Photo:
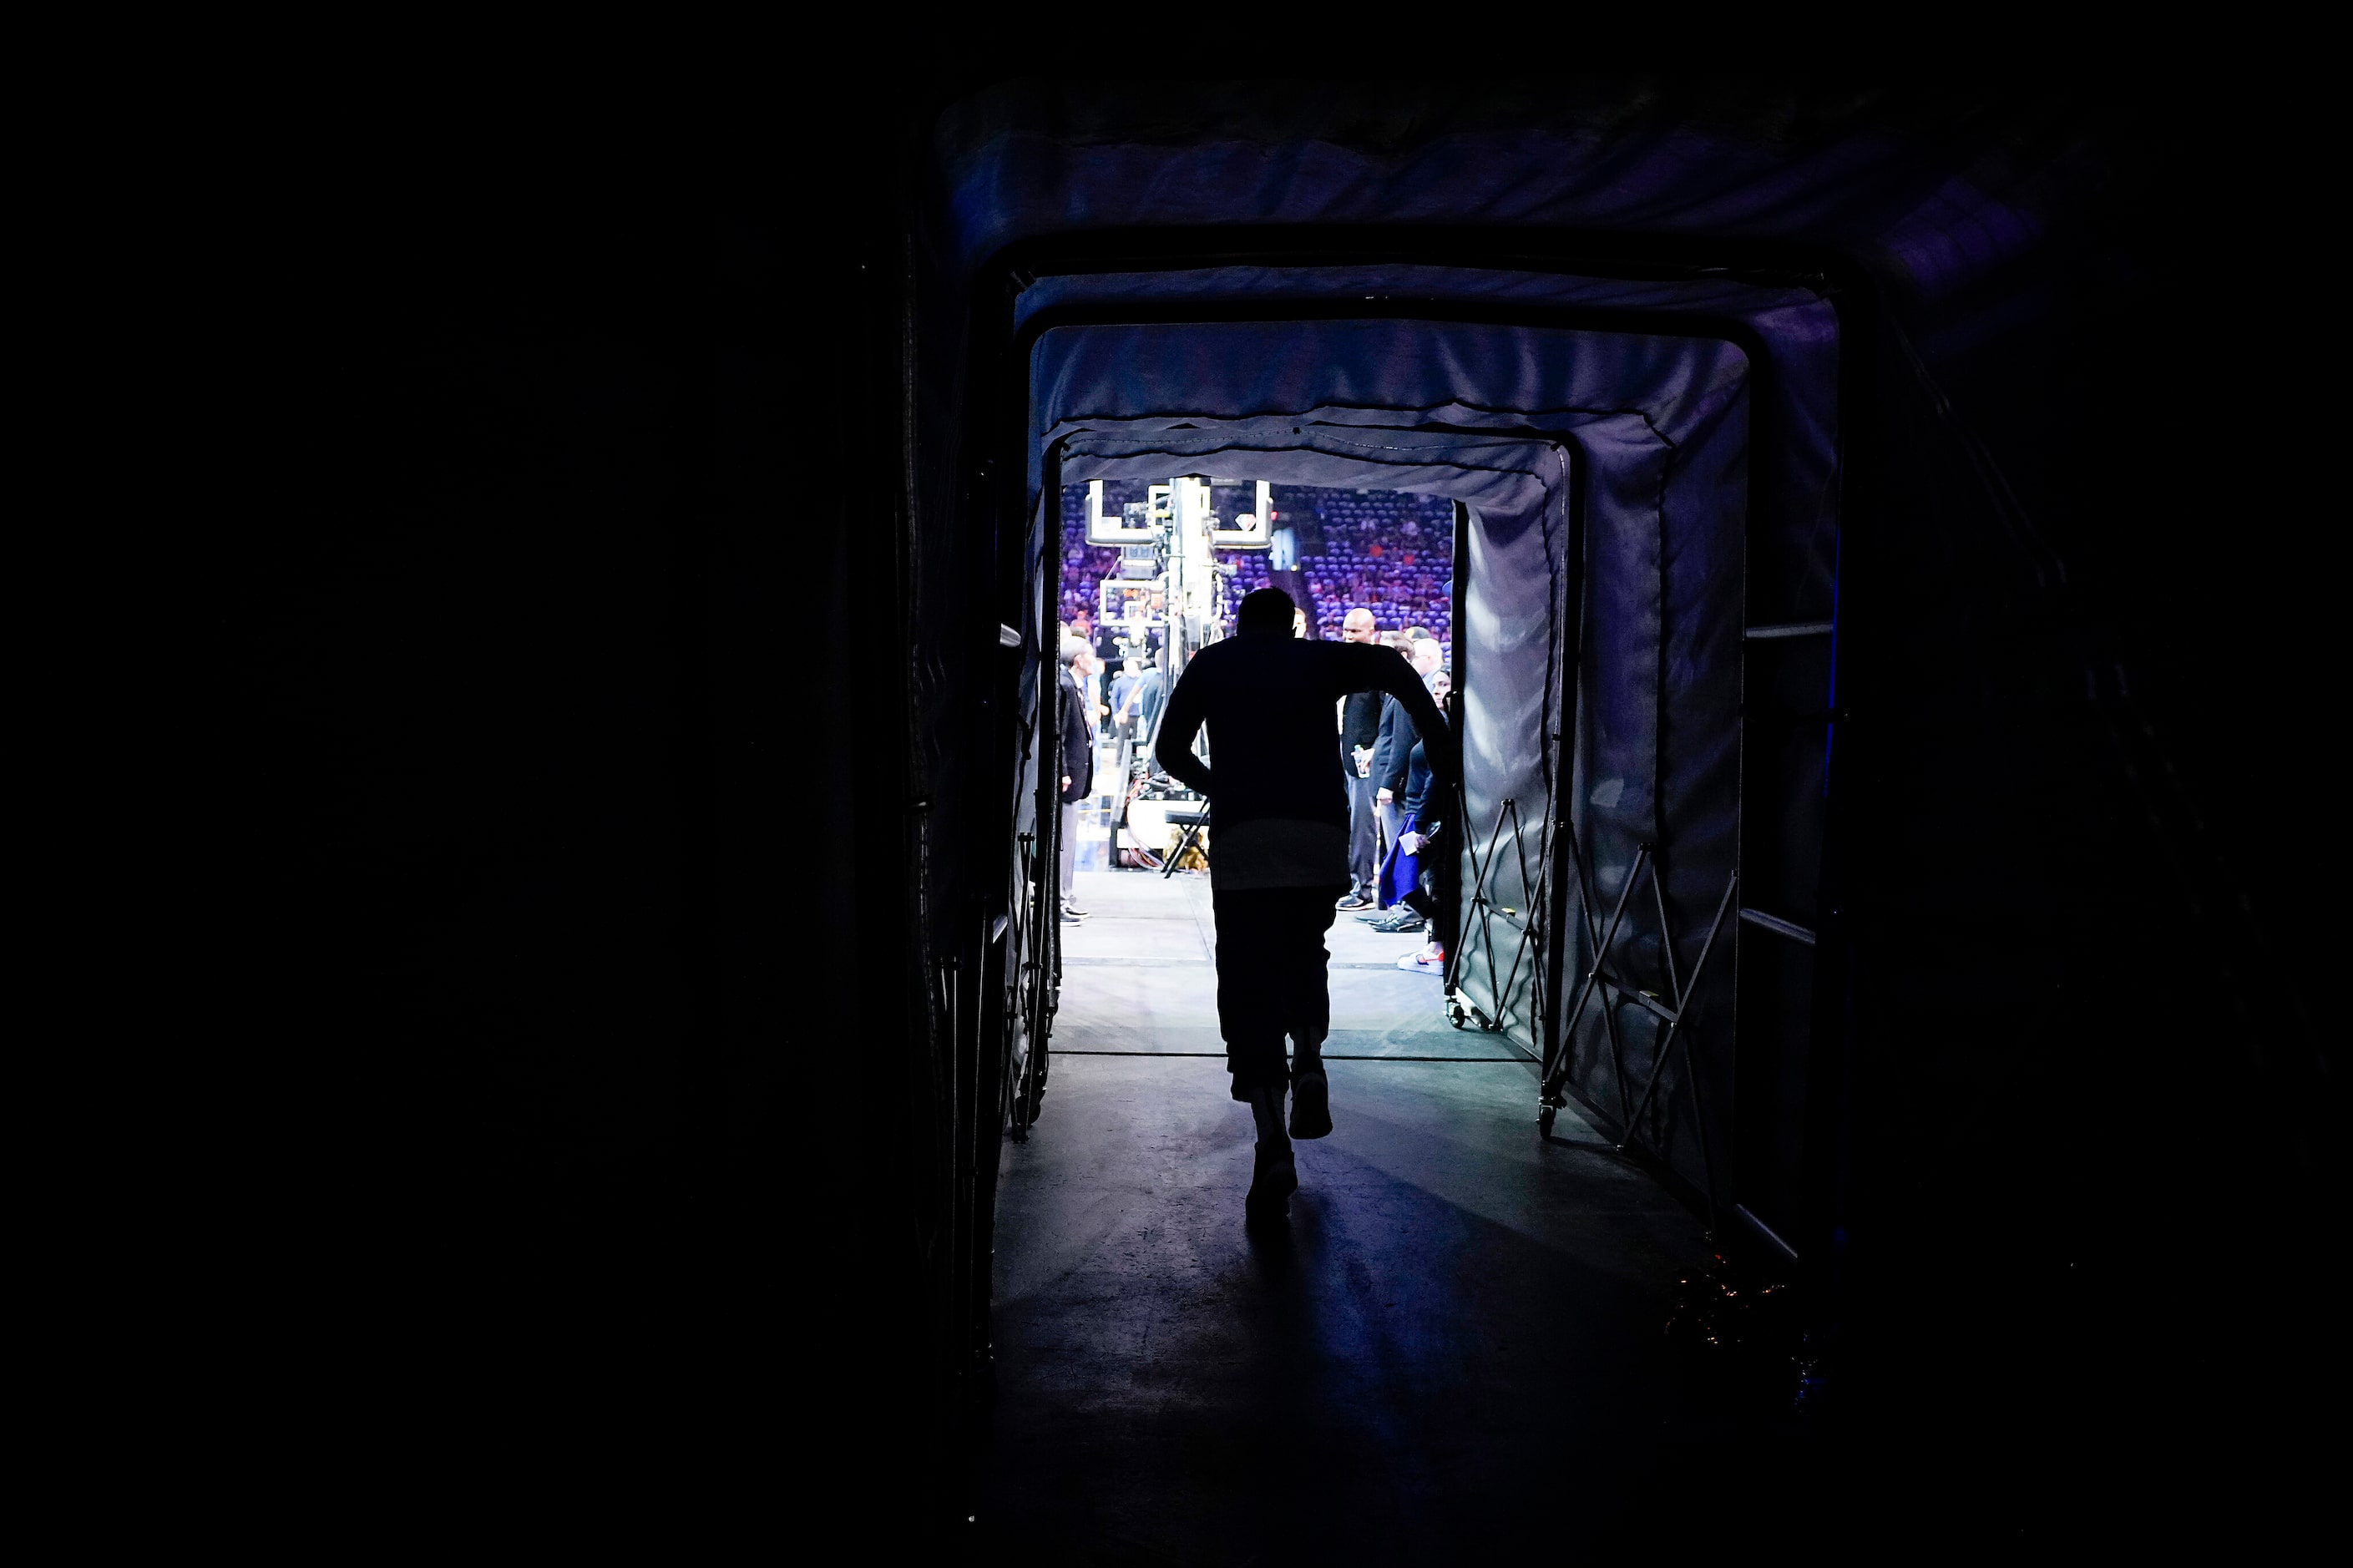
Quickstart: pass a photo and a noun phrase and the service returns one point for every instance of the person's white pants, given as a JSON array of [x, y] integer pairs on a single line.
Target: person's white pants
[[1070, 849]]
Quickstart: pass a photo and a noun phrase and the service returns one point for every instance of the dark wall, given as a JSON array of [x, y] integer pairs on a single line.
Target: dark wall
[[2078, 1123], [583, 722], [607, 663]]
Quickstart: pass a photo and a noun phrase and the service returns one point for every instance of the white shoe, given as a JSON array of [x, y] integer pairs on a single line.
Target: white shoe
[[1431, 959]]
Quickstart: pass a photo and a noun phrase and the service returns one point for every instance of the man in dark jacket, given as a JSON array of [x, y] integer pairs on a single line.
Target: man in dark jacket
[[1360, 730], [1078, 768], [1395, 743], [1389, 754], [1426, 813], [1151, 691], [1280, 823]]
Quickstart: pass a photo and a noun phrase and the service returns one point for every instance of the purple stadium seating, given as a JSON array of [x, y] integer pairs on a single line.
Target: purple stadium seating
[[1390, 551]]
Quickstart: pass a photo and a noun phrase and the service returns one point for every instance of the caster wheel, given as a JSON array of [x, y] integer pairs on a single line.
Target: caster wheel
[[1544, 1121]]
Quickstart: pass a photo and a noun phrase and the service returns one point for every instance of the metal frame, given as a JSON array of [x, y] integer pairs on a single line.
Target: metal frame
[[1024, 1000], [1531, 946], [1600, 978], [1192, 831]]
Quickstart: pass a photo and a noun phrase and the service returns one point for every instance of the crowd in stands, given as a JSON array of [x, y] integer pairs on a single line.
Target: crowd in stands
[[1390, 551], [1085, 565]]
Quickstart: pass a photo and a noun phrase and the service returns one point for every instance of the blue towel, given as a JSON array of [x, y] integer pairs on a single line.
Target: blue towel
[[1400, 873]]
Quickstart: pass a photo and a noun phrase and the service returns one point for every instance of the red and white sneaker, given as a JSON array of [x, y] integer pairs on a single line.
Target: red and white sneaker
[[1431, 959]]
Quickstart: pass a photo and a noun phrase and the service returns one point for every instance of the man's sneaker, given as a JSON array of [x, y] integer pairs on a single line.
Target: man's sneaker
[[1071, 918], [1353, 901], [1375, 915], [1272, 1181], [1404, 925], [1074, 909], [1311, 1105], [1431, 959]]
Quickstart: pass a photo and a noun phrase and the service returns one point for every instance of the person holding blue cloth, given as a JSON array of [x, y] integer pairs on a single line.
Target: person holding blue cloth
[[1397, 739]]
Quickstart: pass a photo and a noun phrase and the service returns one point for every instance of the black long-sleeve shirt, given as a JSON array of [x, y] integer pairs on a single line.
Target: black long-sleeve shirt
[[1421, 799], [1397, 739], [1078, 740], [1267, 699]]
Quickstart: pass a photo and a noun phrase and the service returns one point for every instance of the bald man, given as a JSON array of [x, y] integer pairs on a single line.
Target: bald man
[[1277, 813], [1360, 731]]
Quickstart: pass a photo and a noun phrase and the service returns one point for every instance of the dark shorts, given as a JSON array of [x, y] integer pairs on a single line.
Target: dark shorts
[[1272, 977]]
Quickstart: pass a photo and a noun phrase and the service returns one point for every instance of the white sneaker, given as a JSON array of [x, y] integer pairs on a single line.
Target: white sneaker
[[1431, 959]]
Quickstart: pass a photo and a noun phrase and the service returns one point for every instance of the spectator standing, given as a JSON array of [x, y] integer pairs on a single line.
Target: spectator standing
[[1078, 769], [1151, 693], [1123, 705], [1396, 745], [1125, 722], [1361, 729], [1294, 509], [1426, 814], [1283, 547]]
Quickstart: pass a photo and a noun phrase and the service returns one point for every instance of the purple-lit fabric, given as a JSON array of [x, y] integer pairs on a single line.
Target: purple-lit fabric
[[1670, 579], [1931, 215], [1952, 222], [1794, 478], [1650, 435]]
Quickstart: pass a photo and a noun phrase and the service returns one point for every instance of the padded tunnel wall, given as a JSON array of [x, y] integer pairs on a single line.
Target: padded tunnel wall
[[1641, 442], [1994, 833]]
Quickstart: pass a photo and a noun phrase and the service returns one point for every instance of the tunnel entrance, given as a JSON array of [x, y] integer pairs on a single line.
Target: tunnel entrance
[[1640, 490], [1642, 511], [1645, 525], [1149, 573]]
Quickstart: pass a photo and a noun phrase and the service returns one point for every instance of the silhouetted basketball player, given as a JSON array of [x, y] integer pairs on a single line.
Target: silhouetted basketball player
[[1279, 847]]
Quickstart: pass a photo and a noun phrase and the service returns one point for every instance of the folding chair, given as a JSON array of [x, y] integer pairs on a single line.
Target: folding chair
[[1193, 821]]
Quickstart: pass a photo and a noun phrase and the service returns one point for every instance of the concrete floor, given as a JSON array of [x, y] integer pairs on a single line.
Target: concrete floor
[[1457, 1342]]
